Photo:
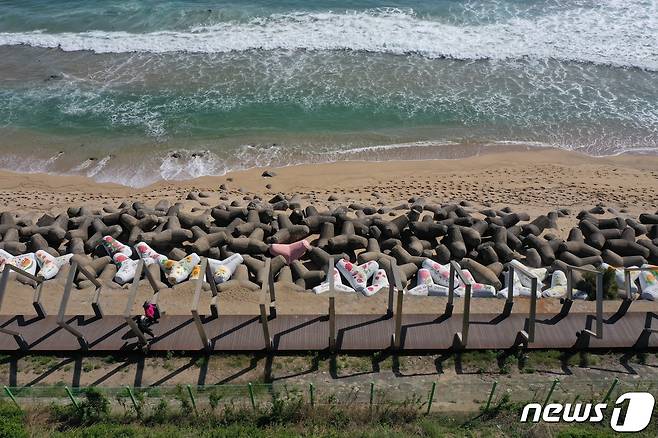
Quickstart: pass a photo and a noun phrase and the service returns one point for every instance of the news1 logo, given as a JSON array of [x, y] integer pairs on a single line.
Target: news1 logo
[[636, 418]]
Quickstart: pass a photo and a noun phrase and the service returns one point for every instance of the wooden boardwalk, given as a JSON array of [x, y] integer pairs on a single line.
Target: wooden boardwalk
[[629, 327], [292, 333]]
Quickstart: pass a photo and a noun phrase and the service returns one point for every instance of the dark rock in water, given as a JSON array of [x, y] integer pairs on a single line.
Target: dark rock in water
[[53, 78], [268, 174], [222, 187], [175, 155], [268, 186], [229, 179]]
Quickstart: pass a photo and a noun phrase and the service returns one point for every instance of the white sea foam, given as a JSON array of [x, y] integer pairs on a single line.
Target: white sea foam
[[184, 164], [614, 32], [391, 147]]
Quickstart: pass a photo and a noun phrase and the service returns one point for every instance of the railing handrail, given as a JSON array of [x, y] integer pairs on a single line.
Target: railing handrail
[[37, 278]]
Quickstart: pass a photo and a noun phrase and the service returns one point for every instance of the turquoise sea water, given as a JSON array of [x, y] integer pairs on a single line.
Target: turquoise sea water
[[137, 91]]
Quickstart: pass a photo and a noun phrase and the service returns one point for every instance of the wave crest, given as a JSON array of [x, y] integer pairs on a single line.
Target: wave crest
[[613, 33]]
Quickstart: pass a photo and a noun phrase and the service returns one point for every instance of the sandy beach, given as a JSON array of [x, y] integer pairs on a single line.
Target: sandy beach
[[534, 181]]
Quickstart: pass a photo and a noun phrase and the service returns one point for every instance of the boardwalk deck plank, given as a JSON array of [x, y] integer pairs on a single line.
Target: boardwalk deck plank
[[311, 332]]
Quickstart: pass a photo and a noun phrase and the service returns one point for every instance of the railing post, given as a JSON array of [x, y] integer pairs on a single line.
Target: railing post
[[398, 321], [467, 313], [598, 333], [195, 305], [599, 305], [36, 300], [451, 290], [533, 309], [266, 329], [214, 305], [391, 288], [461, 338], [332, 324], [4, 280], [64, 303], [127, 313], [95, 302], [311, 392], [510, 284], [330, 274], [627, 285]]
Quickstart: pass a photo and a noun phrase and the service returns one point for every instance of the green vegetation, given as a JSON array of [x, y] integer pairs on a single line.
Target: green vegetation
[[610, 288], [12, 421], [286, 416]]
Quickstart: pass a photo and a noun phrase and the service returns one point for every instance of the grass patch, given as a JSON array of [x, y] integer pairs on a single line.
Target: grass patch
[[238, 361], [536, 360], [289, 416], [359, 364], [481, 361], [39, 363]]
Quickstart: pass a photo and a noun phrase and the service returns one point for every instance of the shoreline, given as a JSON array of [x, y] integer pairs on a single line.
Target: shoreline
[[101, 169], [503, 175]]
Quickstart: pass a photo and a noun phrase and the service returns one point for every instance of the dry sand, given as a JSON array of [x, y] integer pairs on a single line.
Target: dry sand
[[533, 181]]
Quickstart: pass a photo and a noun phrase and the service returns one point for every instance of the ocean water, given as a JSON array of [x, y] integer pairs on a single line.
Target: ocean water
[[139, 91]]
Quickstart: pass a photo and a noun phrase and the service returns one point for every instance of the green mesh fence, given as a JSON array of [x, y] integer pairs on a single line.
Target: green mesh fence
[[449, 394]]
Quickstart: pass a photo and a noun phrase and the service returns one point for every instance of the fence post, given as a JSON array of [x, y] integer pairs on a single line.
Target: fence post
[[73, 400], [431, 399], [132, 398], [189, 391], [312, 394], [493, 389], [575, 399], [612, 388], [11, 396], [251, 395], [550, 391]]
